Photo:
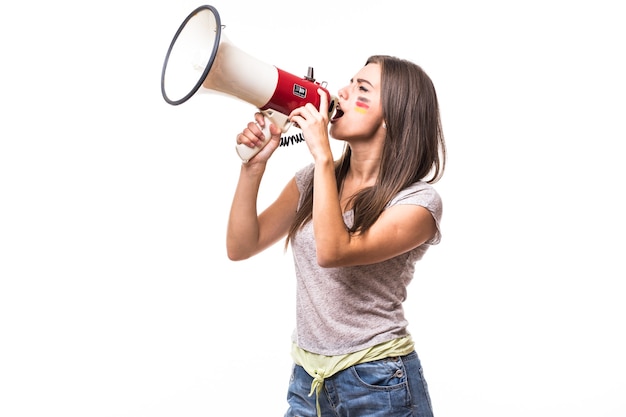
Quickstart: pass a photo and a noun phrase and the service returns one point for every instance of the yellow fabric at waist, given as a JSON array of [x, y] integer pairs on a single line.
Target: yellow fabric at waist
[[320, 367]]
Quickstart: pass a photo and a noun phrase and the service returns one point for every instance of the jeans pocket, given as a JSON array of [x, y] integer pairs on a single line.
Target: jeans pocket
[[383, 373]]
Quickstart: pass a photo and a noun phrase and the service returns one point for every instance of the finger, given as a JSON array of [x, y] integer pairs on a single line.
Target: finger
[[323, 101], [256, 130], [296, 120], [242, 139], [251, 136], [260, 119], [275, 130]]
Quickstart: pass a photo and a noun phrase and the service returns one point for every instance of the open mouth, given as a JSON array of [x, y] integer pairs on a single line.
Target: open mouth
[[337, 115]]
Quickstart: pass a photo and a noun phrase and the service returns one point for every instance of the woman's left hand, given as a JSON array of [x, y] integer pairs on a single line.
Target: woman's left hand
[[314, 126]]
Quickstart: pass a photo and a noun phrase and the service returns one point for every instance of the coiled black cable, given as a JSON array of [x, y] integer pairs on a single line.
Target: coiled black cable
[[291, 139]]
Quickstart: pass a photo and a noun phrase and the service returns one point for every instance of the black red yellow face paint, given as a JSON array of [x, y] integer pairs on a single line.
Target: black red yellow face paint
[[361, 105]]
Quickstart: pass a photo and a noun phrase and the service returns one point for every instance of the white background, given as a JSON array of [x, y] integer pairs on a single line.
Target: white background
[[116, 296]]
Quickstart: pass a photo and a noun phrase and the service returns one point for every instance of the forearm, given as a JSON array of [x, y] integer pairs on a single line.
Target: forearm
[[243, 224], [328, 225]]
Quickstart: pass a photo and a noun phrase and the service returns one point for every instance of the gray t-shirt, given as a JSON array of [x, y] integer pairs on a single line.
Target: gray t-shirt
[[346, 309]]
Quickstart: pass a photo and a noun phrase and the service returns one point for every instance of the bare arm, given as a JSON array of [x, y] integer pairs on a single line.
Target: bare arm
[[248, 233], [397, 230]]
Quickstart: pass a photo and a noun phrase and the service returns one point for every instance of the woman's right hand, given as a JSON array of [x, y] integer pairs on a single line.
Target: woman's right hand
[[253, 136]]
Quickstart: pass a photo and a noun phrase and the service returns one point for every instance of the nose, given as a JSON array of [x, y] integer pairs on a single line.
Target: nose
[[342, 93]]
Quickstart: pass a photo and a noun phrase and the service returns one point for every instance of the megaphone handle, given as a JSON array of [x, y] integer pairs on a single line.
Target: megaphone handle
[[245, 152], [271, 117]]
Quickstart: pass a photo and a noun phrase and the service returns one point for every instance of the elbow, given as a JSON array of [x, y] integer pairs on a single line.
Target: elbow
[[235, 257], [236, 254], [325, 264], [328, 260], [332, 254]]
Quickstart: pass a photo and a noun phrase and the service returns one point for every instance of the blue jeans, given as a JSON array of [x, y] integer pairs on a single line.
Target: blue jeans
[[391, 387]]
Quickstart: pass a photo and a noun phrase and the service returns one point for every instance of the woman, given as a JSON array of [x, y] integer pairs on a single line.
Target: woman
[[356, 227]]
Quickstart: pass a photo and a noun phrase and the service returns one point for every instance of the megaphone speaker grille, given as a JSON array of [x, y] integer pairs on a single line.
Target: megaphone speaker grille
[[191, 55]]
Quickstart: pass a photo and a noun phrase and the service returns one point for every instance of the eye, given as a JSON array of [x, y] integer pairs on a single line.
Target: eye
[[363, 88]]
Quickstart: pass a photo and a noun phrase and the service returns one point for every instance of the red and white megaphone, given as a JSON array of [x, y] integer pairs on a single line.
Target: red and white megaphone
[[200, 59]]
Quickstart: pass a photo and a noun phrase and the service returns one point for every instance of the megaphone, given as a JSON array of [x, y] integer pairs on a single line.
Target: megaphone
[[201, 59]]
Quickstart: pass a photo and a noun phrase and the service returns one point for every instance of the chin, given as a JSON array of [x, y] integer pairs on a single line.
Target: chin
[[335, 132]]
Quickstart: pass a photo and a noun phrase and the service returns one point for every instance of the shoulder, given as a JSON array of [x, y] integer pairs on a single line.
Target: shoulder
[[422, 194]]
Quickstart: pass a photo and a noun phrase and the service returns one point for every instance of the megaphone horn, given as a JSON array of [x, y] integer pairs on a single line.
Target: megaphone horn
[[201, 59]]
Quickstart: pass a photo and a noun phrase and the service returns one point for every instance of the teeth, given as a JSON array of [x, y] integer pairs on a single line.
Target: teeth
[[334, 112], [333, 107]]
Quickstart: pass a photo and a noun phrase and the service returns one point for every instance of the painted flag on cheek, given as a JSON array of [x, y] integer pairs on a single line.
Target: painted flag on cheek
[[361, 107]]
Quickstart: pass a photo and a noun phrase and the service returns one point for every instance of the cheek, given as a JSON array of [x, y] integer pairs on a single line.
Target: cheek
[[361, 107], [367, 108], [363, 119], [356, 125], [370, 118]]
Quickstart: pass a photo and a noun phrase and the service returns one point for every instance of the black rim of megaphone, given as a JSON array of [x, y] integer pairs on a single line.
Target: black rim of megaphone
[[208, 65]]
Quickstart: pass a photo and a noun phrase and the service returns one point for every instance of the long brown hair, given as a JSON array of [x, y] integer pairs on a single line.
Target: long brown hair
[[414, 148]]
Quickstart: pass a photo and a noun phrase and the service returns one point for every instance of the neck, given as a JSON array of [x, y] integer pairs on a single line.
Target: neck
[[364, 164], [363, 172]]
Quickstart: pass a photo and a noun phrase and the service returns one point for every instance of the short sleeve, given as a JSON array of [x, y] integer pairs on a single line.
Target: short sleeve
[[303, 177], [422, 194]]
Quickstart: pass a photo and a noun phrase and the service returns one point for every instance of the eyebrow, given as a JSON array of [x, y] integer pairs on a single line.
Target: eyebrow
[[362, 80]]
